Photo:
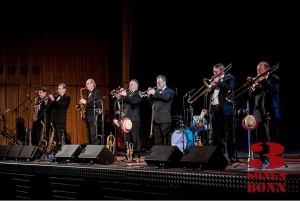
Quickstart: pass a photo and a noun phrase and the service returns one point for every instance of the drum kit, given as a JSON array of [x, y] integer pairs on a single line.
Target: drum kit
[[184, 137]]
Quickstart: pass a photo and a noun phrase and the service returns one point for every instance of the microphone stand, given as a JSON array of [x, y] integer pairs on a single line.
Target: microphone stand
[[96, 113], [4, 128], [17, 108], [102, 121], [189, 123], [183, 105], [96, 118]]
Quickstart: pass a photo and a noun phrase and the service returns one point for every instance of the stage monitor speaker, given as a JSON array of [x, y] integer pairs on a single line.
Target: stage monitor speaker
[[68, 153], [204, 157], [96, 154], [164, 156], [29, 153], [14, 152], [4, 149]]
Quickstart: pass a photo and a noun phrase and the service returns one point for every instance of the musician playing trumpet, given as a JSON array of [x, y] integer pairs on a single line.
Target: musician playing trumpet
[[131, 100], [265, 90], [221, 111], [60, 102], [161, 100]]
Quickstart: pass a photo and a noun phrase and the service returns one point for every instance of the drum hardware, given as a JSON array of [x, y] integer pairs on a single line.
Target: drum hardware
[[183, 139]]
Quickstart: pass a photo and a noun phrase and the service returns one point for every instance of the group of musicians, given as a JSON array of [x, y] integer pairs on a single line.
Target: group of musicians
[[220, 92], [218, 114]]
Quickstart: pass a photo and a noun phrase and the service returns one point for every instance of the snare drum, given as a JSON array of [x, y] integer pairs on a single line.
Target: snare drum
[[183, 139]]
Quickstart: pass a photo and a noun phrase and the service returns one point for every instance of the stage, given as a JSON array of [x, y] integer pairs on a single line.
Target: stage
[[119, 179]]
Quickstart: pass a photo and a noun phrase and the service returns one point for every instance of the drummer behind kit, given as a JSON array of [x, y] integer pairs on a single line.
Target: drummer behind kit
[[184, 138]]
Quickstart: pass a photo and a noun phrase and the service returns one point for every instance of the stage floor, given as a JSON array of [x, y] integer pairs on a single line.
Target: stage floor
[[42, 179]]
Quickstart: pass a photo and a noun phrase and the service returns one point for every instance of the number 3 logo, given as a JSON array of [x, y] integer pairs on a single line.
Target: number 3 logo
[[274, 150]]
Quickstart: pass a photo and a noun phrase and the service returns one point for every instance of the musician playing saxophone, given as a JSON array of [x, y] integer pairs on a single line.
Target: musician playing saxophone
[[265, 90], [60, 102], [93, 110], [40, 114], [221, 111]]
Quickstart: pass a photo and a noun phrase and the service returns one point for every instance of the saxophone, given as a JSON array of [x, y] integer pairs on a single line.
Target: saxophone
[[36, 110], [43, 142], [51, 143], [80, 106]]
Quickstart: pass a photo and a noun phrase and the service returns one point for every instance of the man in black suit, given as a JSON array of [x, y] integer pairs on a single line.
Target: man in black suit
[[40, 115], [265, 90], [60, 102], [131, 101], [221, 111], [161, 110], [93, 110]]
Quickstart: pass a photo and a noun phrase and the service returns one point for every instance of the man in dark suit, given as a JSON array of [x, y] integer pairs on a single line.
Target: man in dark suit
[[93, 110], [265, 90], [40, 115], [161, 100], [221, 111], [131, 101], [60, 102]]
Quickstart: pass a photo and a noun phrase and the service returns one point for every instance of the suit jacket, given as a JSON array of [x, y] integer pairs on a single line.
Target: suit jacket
[[226, 86], [266, 96], [132, 105], [161, 105], [59, 109], [93, 102]]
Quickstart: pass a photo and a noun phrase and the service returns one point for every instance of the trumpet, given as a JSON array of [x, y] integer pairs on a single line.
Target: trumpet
[[145, 93], [118, 90], [250, 82], [207, 85]]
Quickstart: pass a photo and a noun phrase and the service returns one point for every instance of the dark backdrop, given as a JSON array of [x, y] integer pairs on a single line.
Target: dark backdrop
[[184, 40]]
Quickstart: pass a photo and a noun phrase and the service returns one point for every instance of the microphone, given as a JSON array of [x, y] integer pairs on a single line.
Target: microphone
[[176, 91], [6, 111], [188, 93]]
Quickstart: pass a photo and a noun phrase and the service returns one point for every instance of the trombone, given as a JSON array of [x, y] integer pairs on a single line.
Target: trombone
[[251, 81], [207, 86]]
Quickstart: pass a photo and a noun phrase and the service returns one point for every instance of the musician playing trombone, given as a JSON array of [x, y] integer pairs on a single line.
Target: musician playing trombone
[[265, 91], [222, 110]]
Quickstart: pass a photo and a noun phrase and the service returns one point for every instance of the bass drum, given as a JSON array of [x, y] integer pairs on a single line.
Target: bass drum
[[183, 139]]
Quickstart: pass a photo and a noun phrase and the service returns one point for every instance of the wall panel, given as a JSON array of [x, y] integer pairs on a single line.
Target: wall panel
[[24, 60], [11, 60], [46, 73], [59, 57]]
